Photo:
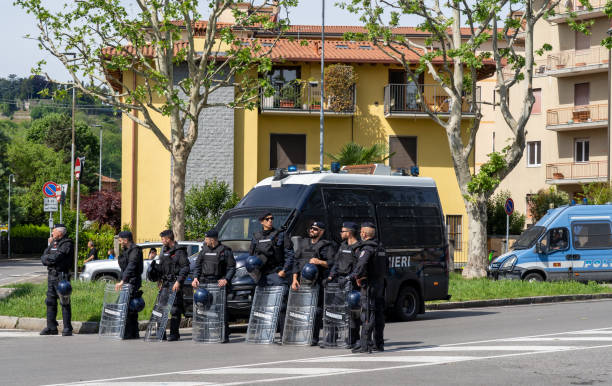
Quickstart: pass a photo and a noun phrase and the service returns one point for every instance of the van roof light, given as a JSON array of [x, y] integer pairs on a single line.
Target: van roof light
[[279, 174], [292, 168], [414, 170], [335, 167], [585, 201]]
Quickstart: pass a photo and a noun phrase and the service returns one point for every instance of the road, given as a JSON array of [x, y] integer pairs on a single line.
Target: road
[[21, 270], [551, 344]]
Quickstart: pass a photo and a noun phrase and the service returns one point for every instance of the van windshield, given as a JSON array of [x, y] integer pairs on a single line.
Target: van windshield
[[286, 196], [240, 224], [529, 237]]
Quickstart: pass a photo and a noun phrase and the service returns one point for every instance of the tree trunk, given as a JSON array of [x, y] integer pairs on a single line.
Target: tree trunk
[[477, 245], [177, 208]]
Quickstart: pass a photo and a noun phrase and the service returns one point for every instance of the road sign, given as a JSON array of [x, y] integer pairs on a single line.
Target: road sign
[[509, 206], [50, 204], [49, 189], [77, 168], [3, 227]]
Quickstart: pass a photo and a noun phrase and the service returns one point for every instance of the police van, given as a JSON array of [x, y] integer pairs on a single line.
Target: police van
[[569, 243], [406, 211]]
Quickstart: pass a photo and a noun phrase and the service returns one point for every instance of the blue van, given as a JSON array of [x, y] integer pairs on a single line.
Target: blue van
[[568, 243]]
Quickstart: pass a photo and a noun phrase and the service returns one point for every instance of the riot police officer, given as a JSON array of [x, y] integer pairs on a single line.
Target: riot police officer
[[318, 251], [369, 275], [343, 263], [215, 264], [273, 247], [172, 270], [58, 258], [131, 264]]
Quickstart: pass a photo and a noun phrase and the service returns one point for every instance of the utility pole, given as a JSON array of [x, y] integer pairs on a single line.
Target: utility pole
[[72, 148], [321, 114], [11, 177], [100, 165]]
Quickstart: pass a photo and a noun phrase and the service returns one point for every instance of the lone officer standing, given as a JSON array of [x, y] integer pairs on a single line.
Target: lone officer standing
[[58, 258], [369, 274], [215, 264], [318, 251], [130, 262], [173, 269], [271, 245], [343, 264]]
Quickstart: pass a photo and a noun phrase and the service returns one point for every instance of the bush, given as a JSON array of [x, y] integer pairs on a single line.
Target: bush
[[540, 203], [102, 237], [496, 216], [596, 193], [104, 208], [30, 231]]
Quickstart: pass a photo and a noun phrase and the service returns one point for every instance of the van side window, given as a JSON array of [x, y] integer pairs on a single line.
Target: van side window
[[558, 239], [347, 205], [312, 211], [591, 235], [410, 226]]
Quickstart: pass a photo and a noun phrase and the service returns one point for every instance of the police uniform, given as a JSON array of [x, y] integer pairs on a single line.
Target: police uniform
[[214, 264], [371, 264], [322, 250], [58, 258], [131, 264], [173, 266]]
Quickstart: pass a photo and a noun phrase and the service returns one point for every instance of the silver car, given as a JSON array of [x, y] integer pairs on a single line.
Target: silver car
[[108, 270]]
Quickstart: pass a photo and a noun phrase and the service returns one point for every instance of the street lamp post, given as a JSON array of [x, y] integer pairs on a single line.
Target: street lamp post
[[321, 113], [609, 32], [11, 177], [72, 148], [100, 160]]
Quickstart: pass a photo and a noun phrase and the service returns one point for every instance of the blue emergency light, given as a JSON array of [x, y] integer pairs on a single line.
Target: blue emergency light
[[335, 167], [292, 168]]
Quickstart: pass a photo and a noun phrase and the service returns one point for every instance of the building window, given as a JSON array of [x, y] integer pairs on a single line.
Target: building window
[[582, 93], [581, 153], [285, 74], [405, 149], [287, 149], [453, 226], [537, 105], [534, 153]]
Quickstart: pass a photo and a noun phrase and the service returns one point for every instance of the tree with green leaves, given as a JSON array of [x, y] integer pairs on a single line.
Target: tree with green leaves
[[456, 62], [496, 216], [546, 199], [109, 42], [355, 154]]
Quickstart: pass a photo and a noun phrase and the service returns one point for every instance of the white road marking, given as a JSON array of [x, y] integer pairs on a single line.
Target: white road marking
[[147, 383], [497, 348], [273, 370], [562, 339], [395, 358], [589, 332], [18, 334]]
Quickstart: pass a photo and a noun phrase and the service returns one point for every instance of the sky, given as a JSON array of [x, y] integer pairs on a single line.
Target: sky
[[21, 54]]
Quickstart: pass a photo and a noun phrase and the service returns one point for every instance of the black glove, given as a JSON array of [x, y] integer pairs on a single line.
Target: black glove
[[153, 274]]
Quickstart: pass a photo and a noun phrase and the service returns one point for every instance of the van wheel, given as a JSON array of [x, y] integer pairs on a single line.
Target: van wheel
[[107, 279], [407, 304], [533, 277]]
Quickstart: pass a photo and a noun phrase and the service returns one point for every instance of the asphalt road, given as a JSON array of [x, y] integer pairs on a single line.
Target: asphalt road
[[21, 270], [551, 344]]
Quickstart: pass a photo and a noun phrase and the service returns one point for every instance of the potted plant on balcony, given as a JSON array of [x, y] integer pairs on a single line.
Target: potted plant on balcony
[[290, 95], [340, 83]]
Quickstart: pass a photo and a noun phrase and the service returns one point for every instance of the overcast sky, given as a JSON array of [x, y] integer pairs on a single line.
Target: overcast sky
[[21, 54]]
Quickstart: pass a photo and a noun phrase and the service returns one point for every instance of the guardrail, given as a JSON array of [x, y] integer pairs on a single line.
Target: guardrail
[[576, 6], [402, 98], [577, 58], [577, 170], [577, 114], [306, 96]]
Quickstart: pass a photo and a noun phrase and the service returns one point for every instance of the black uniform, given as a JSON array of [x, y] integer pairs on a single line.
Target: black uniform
[[372, 264], [58, 258], [214, 264], [278, 251], [173, 266], [343, 265], [322, 250], [131, 264]]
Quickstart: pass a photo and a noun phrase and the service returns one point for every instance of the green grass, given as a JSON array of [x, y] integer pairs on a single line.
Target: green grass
[[478, 289], [28, 300]]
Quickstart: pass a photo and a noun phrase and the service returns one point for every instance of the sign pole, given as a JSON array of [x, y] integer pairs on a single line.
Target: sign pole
[[507, 232], [509, 208], [76, 233]]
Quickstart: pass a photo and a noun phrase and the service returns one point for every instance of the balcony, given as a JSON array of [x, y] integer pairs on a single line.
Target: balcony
[[577, 117], [401, 100], [304, 98], [577, 62], [576, 172], [563, 9]]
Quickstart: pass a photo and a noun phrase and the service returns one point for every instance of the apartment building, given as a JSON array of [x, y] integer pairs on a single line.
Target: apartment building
[[567, 142]]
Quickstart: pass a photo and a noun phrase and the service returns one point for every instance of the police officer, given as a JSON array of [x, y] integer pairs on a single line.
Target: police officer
[[130, 262], [173, 269], [369, 274], [276, 250], [58, 258], [314, 250], [343, 263], [215, 264]]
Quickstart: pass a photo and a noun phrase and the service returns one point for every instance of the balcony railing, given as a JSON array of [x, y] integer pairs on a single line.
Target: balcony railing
[[576, 6], [577, 114], [305, 97], [577, 170], [402, 98], [577, 58]]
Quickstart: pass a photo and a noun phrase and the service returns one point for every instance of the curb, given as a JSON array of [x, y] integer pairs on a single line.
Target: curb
[[516, 301]]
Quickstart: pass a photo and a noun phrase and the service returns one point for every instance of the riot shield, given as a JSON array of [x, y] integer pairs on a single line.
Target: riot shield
[[159, 315], [114, 311], [336, 316], [301, 312], [264, 314], [209, 322]]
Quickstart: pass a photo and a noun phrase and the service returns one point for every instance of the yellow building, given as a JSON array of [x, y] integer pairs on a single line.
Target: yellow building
[[284, 131]]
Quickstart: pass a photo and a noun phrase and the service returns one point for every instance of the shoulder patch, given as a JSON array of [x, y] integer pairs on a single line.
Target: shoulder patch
[[362, 253]]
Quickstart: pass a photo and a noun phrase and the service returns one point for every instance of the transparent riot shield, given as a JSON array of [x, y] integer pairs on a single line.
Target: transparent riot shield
[[336, 316], [264, 314], [209, 322], [300, 317], [114, 311], [159, 315]]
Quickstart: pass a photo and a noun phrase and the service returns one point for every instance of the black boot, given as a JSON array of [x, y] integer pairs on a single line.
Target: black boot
[[48, 331], [67, 318], [174, 329]]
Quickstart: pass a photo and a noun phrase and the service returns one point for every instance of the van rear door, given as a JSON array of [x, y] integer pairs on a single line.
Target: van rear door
[[592, 244]]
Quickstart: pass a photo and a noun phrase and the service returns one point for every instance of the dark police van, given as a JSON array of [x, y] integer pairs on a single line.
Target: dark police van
[[407, 212]]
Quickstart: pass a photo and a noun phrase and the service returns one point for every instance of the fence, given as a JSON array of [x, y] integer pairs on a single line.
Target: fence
[[402, 98], [460, 255], [306, 96], [574, 170], [576, 6], [577, 114], [577, 58]]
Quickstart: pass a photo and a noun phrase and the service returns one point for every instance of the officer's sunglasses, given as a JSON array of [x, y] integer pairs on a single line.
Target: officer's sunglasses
[[269, 218], [315, 229]]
